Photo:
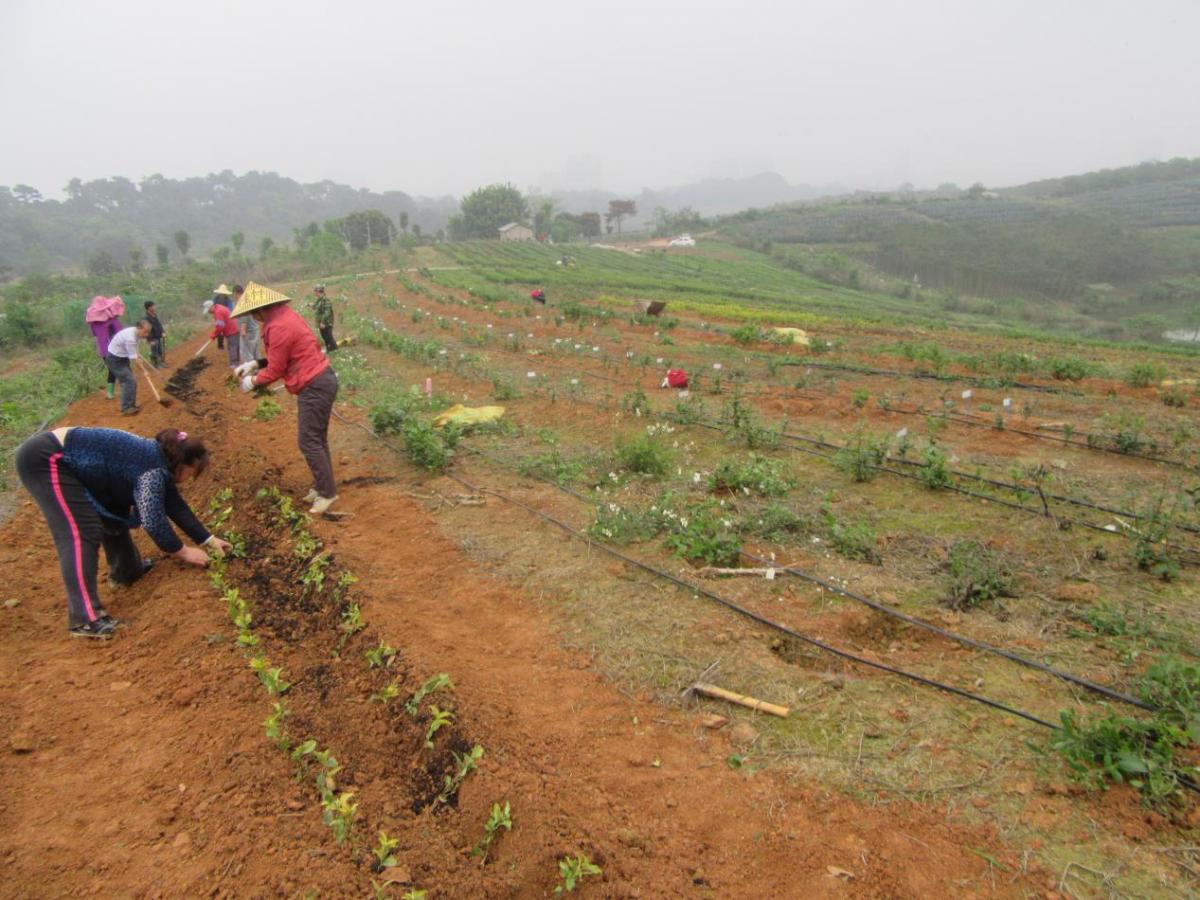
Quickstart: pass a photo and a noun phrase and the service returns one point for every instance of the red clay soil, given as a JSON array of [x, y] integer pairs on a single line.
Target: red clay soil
[[140, 767]]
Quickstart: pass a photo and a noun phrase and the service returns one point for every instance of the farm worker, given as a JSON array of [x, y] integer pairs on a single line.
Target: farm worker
[[251, 331], [104, 318], [93, 485], [538, 296], [158, 337], [323, 309], [122, 351], [220, 298], [294, 355], [225, 327]]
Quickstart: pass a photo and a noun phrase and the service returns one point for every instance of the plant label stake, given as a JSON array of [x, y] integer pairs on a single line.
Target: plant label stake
[[428, 387]]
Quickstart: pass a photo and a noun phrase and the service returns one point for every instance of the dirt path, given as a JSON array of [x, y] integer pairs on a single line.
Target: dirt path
[[140, 767]]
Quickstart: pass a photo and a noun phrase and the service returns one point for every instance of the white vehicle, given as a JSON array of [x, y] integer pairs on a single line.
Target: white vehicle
[[684, 240]]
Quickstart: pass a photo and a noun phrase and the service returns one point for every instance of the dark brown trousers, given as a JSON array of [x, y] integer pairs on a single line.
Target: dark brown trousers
[[316, 404]]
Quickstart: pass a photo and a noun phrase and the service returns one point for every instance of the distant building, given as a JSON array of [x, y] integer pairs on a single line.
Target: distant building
[[514, 231]]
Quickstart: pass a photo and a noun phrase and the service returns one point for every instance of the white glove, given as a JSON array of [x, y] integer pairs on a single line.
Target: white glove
[[248, 383], [246, 368]]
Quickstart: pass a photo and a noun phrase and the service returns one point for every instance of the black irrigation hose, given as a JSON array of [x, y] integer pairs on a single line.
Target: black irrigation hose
[[1080, 445], [891, 611], [949, 487], [933, 376], [727, 603]]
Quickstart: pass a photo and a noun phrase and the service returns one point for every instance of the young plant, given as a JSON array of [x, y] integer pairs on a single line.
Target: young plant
[[384, 852], [352, 619], [863, 457], [572, 870], [976, 574], [380, 657], [935, 473], [313, 578], [339, 815], [467, 763], [389, 693], [272, 679], [273, 724], [438, 682], [441, 718], [501, 817]]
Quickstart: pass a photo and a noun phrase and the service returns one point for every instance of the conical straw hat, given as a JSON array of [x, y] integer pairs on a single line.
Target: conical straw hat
[[224, 290], [256, 297]]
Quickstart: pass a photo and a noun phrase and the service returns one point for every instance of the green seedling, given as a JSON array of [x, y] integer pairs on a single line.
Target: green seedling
[[352, 620], [273, 724], [467, 763], [436, 683], [343, 583], [388, 694], [384, 852], [272, 679], [313, 578], [339, 815], [572, 870], [441, 718], [306, 545], [501, 817], [380, 657]]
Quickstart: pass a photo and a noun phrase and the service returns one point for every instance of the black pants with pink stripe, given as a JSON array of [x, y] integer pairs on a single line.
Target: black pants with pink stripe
[[78, 529]]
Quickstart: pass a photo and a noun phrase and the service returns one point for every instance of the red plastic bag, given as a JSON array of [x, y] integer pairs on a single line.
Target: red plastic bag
[[677, 378]]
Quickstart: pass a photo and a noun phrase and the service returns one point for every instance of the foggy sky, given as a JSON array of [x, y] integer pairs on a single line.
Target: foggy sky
[[435, 98]]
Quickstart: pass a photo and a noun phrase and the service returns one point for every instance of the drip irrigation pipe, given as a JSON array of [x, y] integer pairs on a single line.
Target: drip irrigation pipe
[[892, 612], [933, 376], [978, 382], [799, 438], [727, 603]]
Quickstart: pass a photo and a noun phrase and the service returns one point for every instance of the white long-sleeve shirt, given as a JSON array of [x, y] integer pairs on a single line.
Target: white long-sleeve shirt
[[124, 343]]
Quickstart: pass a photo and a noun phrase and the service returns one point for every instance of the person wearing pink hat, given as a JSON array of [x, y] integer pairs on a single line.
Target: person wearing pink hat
[[104, 318]]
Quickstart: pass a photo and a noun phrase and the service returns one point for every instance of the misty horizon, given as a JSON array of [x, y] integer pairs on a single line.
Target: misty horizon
[[436, 102]]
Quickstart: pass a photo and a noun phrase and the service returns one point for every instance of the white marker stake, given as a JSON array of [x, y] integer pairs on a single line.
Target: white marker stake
[[1008, 402]]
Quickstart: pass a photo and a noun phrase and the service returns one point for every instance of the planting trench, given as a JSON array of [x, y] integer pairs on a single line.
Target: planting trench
[[140, 767]]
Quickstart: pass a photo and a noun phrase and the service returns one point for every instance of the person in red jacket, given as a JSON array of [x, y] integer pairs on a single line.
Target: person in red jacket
[[294, 355], [225, 326]]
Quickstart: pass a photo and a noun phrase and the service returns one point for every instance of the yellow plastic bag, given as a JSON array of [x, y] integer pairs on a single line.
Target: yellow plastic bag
[[798, 335], [467, 415]]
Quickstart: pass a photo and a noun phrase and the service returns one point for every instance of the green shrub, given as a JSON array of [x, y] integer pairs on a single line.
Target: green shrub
[[1069, 368], [976, 574], [854, 540], [934, 472], [862, 458], [777, 523], [1173, 686], [552, 466], [618, 525], [644, 455], [636, 402], [758, 474], [426, 447], [704, 533], [1144, 374], [1124, 750], [747, 334]]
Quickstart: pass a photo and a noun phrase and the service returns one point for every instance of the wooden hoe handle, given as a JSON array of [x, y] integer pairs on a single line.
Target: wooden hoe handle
[[711, 690]]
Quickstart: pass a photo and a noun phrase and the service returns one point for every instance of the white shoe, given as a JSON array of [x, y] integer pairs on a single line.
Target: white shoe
[[310, 496], [321, 505]]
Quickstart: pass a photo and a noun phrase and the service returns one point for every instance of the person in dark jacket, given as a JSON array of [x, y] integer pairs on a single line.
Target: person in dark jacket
[[158, 337], [323, 310], [93, 485], [294, 355]]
